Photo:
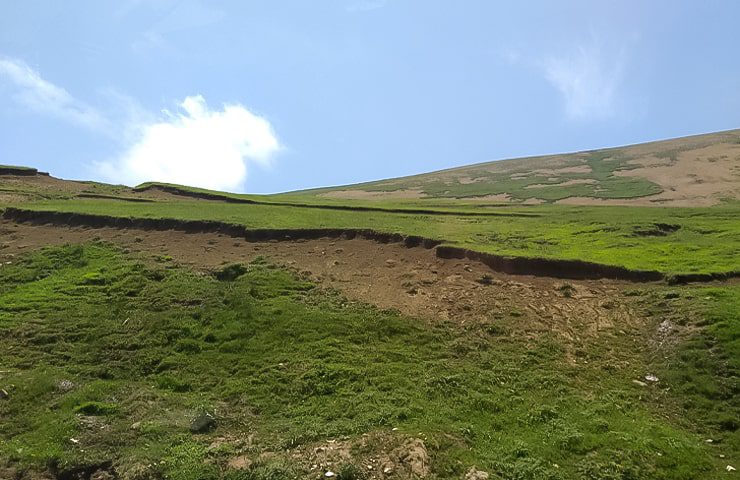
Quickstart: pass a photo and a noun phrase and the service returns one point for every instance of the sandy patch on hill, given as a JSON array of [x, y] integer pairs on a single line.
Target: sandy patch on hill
[[579, 181], [43, 184], [704, 175], [701, 177], [365, 195], [564, 170], [498, 197], [464, 180]]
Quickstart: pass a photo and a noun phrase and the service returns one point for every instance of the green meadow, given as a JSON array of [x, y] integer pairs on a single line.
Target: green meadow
[[669, 240], [110, 358]]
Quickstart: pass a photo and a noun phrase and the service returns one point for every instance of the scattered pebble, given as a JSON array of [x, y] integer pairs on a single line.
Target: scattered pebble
[[651, 378], [387, 470], [329, 474], [65, 385], [475, 474]]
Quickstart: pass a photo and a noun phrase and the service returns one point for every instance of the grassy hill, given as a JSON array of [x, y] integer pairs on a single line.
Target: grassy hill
[[170, 332], [700, 170]]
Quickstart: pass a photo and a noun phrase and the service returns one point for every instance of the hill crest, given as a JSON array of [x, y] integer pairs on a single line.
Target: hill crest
[[700, 170]]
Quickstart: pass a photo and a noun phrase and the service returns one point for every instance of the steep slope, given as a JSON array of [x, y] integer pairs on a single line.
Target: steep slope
[[700, 170]]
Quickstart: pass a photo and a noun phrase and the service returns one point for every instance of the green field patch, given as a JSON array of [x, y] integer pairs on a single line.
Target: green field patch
[[100, 374]]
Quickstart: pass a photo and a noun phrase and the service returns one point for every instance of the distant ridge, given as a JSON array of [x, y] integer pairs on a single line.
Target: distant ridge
[[700, 170]]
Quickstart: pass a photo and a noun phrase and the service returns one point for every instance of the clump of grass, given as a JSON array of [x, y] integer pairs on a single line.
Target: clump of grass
[[96, 408], [566, 289], [351, 471], [230, 273], [93, 278]]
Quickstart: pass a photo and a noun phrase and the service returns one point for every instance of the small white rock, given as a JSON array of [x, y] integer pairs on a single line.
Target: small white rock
[[651, 378], [387, 470], [329, 474]]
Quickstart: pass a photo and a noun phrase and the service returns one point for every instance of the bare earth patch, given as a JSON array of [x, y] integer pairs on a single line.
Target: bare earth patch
[[578, 181], [391, 276], [364, 195], [701, 177]]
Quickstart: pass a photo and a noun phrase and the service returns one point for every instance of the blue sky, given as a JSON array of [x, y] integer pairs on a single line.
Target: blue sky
[[279, 95]]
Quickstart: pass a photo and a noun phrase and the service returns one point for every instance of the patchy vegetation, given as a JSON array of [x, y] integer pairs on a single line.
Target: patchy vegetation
[[693, 171]]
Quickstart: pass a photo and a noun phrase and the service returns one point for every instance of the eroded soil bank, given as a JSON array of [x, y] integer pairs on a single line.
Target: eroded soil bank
[[414, 281]]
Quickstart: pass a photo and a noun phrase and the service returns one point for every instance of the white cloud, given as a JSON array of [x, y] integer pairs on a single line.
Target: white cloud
[[44, 97], [196, 146], [589, 81]]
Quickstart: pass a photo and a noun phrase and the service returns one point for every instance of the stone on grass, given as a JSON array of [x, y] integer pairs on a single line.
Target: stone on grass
[[475, 474], [203, 422]]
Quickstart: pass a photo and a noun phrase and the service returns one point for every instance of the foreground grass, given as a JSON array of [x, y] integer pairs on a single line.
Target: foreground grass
[[670, 240], [96, 343]]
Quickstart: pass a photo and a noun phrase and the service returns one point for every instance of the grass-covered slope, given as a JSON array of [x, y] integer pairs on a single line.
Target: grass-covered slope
[[669, 240], [112, 363], [691, 171]]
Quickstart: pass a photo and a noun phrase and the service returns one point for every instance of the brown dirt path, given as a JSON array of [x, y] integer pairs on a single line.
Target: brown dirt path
[[391, 276]]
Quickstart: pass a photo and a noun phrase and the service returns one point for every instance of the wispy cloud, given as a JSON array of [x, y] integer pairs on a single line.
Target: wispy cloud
[[175, 17], [42, 96], [196, 146], [588, 79], [365, 5]]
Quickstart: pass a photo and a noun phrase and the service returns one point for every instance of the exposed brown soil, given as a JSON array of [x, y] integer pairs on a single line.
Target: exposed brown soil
[[576, 269], [580, 181], [389, 275], [42, 185], [381, 195]]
